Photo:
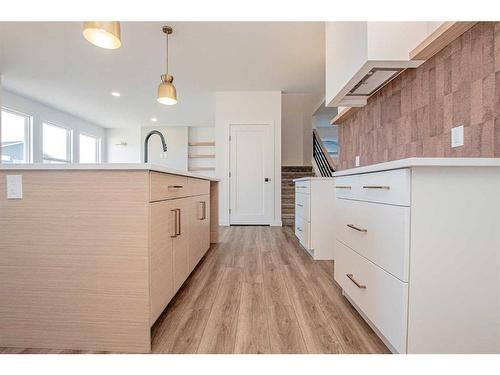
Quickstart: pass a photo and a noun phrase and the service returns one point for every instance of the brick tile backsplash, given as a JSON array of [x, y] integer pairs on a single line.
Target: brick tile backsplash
[[413, 114]]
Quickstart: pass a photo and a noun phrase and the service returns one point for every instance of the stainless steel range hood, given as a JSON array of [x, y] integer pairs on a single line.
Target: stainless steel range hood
[[374, 80]]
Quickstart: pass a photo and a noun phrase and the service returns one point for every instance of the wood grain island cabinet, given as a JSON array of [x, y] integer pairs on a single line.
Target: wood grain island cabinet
[[90, 256]]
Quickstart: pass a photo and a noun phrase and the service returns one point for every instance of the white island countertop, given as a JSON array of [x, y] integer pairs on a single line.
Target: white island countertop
[[422, 162], [102, 167]]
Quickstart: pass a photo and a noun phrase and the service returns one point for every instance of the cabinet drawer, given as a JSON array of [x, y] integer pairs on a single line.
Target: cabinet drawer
[[380, 296], [391, 187], [302, 232], [167, 186], [302, 206], [198, 186], [303, 187], [379, 232]]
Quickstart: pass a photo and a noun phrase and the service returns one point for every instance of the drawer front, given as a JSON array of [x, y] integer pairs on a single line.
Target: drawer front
[[379, 295], [346, 187], [302, 206], [303, 187], [391, 187], [302, 232], [379, 232], [198, 186], [167, 186]]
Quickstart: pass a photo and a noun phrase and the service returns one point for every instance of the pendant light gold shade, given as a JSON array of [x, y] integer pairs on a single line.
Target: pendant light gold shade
[[104, 34], [167, 94]]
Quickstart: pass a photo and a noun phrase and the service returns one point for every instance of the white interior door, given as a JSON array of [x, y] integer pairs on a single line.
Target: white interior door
[[252, 174]]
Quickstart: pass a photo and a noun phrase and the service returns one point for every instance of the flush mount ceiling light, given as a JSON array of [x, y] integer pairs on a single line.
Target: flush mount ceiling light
[[167, 94], [154, 119], [116, 94], [104, 34]]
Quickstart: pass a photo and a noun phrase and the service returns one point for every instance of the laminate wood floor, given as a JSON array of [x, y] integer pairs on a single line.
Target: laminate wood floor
[[257, 291]]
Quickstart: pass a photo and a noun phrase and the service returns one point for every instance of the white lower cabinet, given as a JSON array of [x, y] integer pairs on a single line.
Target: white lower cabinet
[[417, 252], [314, 213], [380, 296]]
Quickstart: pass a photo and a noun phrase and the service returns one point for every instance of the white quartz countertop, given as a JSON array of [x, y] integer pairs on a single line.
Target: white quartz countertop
[[422, 162], [102, 167]]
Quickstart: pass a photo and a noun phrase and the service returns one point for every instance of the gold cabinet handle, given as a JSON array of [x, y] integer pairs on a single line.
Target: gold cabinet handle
[[376, 187], [300, 205], [301, 187], [351, 277], [343, 187], [352, 226], [179, 222], [174, 211], [203, 210], [175, 187]]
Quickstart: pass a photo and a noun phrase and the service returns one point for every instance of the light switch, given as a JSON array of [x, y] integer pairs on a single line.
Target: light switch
[[14, 186], [356, 161], [457, 136]]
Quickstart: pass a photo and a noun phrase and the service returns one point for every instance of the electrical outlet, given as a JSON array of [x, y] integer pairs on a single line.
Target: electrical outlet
[[457, 136], [14, 186], [356, 161]]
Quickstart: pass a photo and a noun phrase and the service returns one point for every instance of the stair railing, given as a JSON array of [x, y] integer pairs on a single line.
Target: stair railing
[[324, 161]]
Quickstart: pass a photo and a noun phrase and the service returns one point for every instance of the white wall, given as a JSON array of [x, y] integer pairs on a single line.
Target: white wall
[[130, 153], [296, 135], [245, 107], [43, 113]]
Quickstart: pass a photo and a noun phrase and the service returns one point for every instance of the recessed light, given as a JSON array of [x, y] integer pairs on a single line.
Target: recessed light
[[154, 119], [116, 93]]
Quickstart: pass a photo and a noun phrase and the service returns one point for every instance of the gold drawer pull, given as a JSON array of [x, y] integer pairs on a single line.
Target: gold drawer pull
[[175, 187], [351, 277], [343, 187], [376, 187], [300, 205], [352, 226]]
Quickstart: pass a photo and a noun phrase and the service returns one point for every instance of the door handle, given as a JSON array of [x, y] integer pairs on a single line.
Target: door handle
[[203, 210], [267, 179], [179, 221], [174, 211]]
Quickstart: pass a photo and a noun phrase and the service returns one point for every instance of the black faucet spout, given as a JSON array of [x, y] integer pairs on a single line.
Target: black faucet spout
[[163, 143]]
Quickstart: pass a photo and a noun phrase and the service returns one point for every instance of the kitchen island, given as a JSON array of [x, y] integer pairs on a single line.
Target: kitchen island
[[90, 255]]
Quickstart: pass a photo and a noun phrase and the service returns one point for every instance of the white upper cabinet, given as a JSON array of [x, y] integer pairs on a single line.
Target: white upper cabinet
[[361, 57]]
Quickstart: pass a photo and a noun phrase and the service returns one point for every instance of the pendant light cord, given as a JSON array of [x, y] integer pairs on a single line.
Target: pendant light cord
[[167, 51]]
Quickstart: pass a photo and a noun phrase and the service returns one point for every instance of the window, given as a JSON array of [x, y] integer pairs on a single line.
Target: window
[[56, 144], [89, 149], [15, 137]]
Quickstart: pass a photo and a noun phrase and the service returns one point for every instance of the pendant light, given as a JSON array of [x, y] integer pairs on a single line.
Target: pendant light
[[166, 90], [104, 34]]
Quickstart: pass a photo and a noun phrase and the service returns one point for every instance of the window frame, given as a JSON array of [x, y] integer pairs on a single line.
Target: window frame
[[28, 134], [69, 144], [98, 146]]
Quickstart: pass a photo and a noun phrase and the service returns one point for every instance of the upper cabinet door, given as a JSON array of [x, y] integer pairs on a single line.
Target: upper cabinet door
[[361, 57]]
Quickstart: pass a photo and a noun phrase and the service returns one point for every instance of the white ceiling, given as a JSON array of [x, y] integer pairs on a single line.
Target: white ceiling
[[51, 62]]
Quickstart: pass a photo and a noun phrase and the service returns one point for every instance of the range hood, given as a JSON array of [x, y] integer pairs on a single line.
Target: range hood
[[373, 81]]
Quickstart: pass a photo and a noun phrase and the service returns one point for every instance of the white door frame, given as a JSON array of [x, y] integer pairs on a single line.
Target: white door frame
[[271, 124]]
